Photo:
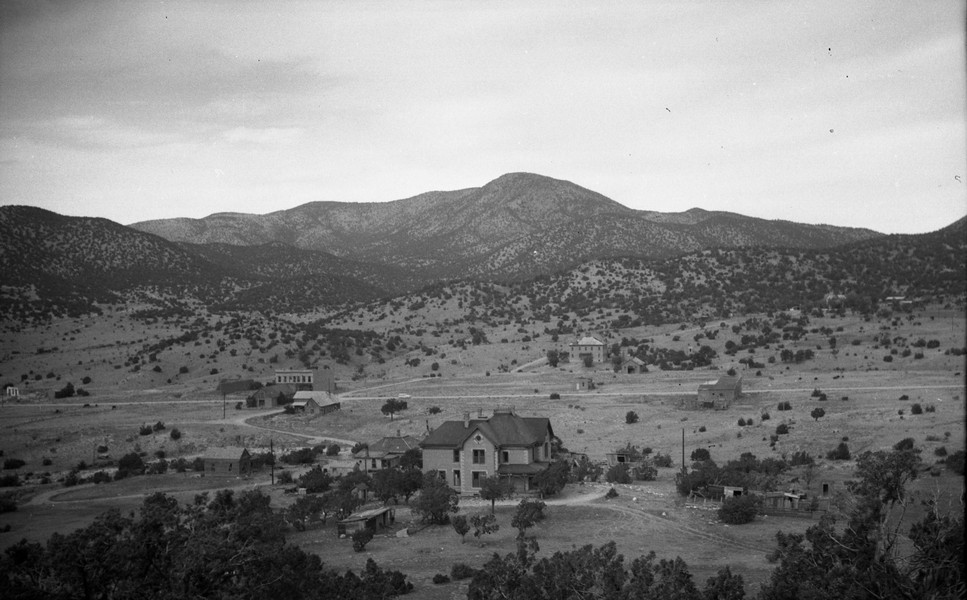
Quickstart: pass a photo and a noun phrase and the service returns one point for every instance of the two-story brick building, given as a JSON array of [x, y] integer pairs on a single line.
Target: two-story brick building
[[505, 445]]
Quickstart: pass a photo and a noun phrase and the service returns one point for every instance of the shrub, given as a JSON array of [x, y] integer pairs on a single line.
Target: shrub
[[765, 417], [440, 578], [146, 430], [702, 429], [13, 463], [930, 408], [159, 426], [7, 504], [131, 463], [619, 473], [631, 417], [817, 413], [183, 370], [284, 477], [461, 571], [741, 422], [904, 444], [332, 450], [434, 410], [46, 461], [361, 537], [840, 453], [700, 455], [612, 493], [175, 433], [555, 396], [904, 397], [801, 458], [740, 510], [955, 462], [941, 451], [784, 406], [916, 409], [782, 429], [10, 480], [662, 460]]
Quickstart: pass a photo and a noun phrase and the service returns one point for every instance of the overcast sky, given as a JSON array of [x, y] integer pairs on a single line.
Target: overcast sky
[[847, 113]]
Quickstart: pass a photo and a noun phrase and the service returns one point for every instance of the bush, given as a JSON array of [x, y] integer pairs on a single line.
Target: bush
[[183, 370], [782, 429], [904, 444], [461, 571], [619, 473], [941, 451], [13, 463], [741, 422], [440, 578], [955, 462], [702, 429], [131, 464], [434, 410], [840, 453], [700, 455], [361, 537], [11, 480], [146, 430], [332, 450], [784, 406], [663, 460], [7, 504], [740, 510], [765, 417], [916, 409], [159, 426], [612, 493], [555, 396], [631, 417], [175, 434]]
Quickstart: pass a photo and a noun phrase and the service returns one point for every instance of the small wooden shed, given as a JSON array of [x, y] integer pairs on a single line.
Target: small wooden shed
[[227, 462], [374, 519]]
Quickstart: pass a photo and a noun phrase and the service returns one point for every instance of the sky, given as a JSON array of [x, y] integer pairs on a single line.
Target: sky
[[845, 113]]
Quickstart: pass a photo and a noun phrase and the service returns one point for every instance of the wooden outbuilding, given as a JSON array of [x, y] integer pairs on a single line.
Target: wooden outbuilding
[[373, 519], [227, 462]]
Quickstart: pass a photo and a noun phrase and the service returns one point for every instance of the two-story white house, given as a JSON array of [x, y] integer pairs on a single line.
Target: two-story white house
[[504, 445]]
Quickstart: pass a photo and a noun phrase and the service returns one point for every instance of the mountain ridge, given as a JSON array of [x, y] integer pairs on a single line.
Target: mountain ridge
[[493, 231]]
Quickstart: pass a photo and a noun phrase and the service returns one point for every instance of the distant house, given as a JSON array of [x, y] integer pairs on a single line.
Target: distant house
[[584, 384], [386, 453], [12, 391], [307, 379], [589, 346], [373, 519], [718, 394], [314, 402], [505, 445], [229, 462], [271, 396], [633, 366]]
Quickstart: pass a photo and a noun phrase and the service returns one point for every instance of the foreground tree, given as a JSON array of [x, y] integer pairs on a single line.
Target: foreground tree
[[227, 547], [436, 500], [864, 559], [494, 489]]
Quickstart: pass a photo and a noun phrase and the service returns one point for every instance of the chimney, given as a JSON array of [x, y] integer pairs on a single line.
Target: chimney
[[479, 413], [466, 420], [398, 433]]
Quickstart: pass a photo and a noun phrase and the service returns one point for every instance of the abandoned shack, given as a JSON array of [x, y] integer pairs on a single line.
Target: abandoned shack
[[374, 519]]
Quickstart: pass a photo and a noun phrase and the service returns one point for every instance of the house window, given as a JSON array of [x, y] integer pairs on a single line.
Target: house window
[[476, 477], [546, 450], [373, 464], [456, 456], [504, 456], [478, 457], [456, 478]]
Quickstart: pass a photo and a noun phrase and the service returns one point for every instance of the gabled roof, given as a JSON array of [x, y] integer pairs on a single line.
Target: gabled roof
[[588, 340], [273, 390], [634, 360], [230, 452], [726, 382], [387, 446], [322, 398], [503, 429]]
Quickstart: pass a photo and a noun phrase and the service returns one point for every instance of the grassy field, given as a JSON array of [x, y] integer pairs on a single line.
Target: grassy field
[[593, 422]]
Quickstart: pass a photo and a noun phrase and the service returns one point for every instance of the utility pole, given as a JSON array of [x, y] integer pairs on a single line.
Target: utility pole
[[272, 453], [683, 451]]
